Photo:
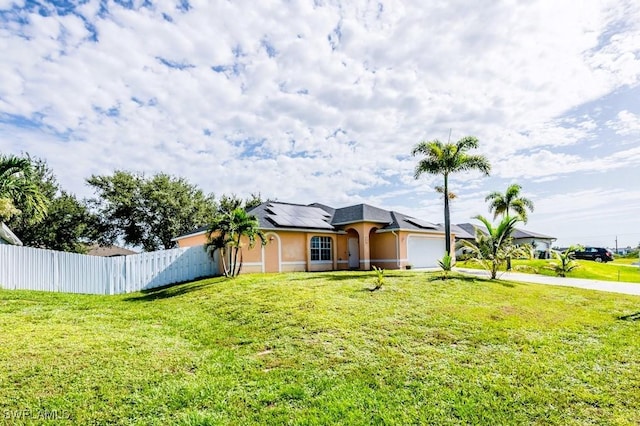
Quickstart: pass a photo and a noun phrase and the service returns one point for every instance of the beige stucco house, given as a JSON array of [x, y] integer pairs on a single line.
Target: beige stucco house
[[316, 237]]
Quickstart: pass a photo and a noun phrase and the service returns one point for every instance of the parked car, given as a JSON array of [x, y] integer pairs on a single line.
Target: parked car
[[598, 254]]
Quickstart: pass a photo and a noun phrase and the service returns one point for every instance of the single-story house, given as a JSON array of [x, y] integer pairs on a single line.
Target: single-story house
[[316, 237], [541, 243], [8, 237]]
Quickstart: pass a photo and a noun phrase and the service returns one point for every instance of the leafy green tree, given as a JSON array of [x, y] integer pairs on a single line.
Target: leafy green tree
[[510, 201], [226, 233], [68, 225], [491, 249], [148, 211], [19, 191], [445, 159]]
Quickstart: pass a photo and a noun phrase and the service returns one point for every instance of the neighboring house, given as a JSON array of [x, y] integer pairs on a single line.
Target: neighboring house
[[316, 237], [8, 237], [109, 251], [541, 243]]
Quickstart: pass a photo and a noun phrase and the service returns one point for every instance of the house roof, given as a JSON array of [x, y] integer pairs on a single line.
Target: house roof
[[468, 232], [463, 233], [109, 251], [361, 213], [8, 236], [274, 215]]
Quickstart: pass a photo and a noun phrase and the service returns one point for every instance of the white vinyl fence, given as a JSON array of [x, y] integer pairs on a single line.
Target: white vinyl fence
[[26, 268]]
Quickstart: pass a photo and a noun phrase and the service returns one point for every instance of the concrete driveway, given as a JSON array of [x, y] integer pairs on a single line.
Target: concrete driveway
[[610, 286]]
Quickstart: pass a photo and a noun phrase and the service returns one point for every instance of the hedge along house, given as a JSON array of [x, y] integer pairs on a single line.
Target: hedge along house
[[316, 237]]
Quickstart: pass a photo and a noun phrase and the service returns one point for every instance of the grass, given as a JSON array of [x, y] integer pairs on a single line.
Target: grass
[[612, 271], [626, 261], [319, 349]]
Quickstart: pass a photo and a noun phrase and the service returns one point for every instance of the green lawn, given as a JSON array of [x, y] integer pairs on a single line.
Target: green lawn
[[318, 349], [612, 271], [625, 261]]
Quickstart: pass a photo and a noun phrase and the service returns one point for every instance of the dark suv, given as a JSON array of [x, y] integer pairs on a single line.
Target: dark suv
[[598, 254]]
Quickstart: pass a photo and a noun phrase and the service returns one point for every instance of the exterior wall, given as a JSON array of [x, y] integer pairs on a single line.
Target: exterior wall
[[294, 251], [289, 251], [193, 240], [384, 250], [342, 251], [285, 251]]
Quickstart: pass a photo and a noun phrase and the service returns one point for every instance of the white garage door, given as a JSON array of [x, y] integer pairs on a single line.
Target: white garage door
[[424, 252]]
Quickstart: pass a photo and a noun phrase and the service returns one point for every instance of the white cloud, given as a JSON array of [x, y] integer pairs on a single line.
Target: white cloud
[[626, 124], [325, 98]]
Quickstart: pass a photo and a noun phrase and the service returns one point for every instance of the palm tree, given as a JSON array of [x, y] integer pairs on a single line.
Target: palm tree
[[564, 261], [226, 233], [18, 187], [511, 200], [445, 159], [493, 248]]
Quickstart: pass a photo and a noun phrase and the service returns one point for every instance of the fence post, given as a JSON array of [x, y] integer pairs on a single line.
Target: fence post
[[56, 271]]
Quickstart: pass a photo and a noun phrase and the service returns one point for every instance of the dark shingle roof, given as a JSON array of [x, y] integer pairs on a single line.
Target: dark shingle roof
[[277, 215], [519, 233], [402, 221], [360, 213], [109, 251]]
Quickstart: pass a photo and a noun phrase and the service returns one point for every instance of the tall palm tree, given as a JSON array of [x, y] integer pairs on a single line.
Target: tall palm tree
[[18, 187], [225, 234], [445, 159], [511, 200], [492, 248]]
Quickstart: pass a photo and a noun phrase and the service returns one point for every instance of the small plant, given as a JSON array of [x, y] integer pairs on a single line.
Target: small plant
[[446, 263], [379, 278], [564, 261]]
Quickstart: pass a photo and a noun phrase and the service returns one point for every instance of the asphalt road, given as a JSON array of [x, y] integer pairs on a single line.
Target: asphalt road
[[610, 286]]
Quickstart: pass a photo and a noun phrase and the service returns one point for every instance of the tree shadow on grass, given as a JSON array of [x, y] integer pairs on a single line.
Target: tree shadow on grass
[[173, 290], [630, 317]]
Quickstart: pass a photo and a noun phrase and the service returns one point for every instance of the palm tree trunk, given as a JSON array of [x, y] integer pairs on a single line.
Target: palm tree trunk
[[235, 257], [508, 257], [447, 220], [223, 254]]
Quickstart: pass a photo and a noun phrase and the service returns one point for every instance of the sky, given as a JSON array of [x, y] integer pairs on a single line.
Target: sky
[[323, 101]]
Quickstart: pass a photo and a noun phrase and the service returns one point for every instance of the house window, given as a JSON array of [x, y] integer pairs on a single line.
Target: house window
[[320, 248]]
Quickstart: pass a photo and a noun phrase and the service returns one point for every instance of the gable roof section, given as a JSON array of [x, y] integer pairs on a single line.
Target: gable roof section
[[361, 213], [109, 251]]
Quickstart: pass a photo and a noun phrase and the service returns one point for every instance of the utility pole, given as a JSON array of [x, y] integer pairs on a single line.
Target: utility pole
[[616, 244]]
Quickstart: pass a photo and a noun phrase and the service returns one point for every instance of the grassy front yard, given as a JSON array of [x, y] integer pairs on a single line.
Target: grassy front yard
[[612, 271], [318, 348]]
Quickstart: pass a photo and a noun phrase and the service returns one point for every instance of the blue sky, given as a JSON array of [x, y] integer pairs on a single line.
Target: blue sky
[[323, 100]]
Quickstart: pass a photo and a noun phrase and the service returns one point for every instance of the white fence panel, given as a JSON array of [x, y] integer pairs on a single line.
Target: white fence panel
[[27, 268]]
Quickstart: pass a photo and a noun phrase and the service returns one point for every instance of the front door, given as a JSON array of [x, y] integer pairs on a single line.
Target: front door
[[354, 253]]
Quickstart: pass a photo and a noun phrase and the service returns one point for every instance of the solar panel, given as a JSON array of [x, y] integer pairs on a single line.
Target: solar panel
[[420, 223], [299, 222], [298, 211]]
